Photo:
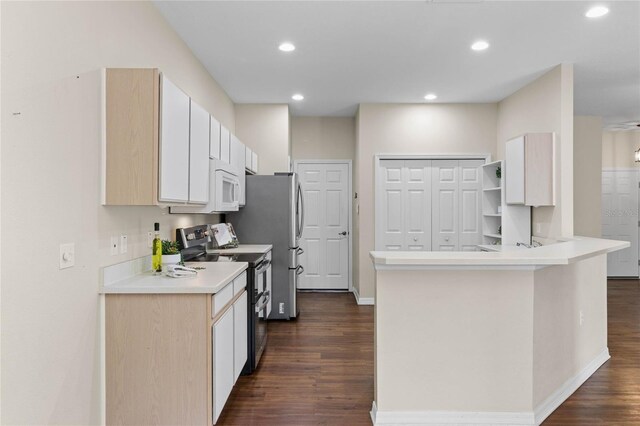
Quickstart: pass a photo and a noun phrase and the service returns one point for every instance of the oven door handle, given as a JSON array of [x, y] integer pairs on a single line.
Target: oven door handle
[[263, 266], [260, 307]]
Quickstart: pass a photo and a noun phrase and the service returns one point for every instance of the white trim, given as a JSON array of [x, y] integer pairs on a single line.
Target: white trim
[[377, 203], [449, 417], [350, 205], [561, 394], [535, 417], [362, 300], [103, 360]]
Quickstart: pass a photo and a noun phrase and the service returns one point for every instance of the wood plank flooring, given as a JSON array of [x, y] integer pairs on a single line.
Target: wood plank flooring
[[318, 369], [612, 395]]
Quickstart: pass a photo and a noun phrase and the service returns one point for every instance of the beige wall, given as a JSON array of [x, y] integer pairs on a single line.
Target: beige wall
[[546, 105], [265, 129], [326, 138], [51, 158], [587, 176], [411, 129], [618, 149]]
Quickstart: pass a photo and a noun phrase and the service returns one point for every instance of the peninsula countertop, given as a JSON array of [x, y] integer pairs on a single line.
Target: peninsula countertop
[[213, 278], [561, 253]]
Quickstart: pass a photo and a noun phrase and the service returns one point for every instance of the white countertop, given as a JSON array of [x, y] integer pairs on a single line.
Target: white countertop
[[561, 253], [210, 280], [245, 248]]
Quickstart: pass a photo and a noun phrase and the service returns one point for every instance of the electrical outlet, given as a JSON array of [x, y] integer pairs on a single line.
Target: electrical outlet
[[149, 239], [114, 245], [123, 244], [67, 255], [281, 308], [581, 317]]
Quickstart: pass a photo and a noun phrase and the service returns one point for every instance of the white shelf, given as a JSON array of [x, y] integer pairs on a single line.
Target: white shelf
[[493, 235], [493, 214], [492, 189], [493, 164]]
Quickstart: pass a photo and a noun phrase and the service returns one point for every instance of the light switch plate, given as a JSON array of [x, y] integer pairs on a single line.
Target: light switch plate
[[67, 255], [114, 245], [149, 239], [123, 244]]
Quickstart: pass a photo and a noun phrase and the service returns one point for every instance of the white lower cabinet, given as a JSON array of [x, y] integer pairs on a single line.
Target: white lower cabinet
[[240, 335], [229, 339], [223, 370]]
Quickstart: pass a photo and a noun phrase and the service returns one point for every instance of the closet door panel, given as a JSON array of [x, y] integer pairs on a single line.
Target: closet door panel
[[417, 214], [391, 205], [470, 225], [445, 205]]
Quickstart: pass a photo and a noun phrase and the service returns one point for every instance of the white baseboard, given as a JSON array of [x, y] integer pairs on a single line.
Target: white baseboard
[[449, 418], [362, 300], [554, 400], [530, 418]]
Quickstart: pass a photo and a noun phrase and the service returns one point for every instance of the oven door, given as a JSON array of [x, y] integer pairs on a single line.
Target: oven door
[[262, 308]]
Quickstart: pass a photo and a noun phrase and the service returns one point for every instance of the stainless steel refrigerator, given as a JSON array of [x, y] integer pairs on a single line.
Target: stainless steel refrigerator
[[274, 214]]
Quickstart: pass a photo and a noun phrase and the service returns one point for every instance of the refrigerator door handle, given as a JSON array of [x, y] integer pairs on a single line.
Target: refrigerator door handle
[[301, 211], [299, 270]]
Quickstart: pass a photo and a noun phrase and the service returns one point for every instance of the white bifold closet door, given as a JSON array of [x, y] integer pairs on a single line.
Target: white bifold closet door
[[429, 205], [405, 206]]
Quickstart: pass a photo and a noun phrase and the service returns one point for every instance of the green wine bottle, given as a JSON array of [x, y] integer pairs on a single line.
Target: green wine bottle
[[156, 257]]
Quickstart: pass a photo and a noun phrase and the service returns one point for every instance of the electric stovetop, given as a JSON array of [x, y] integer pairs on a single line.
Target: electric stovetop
[[253, 259]]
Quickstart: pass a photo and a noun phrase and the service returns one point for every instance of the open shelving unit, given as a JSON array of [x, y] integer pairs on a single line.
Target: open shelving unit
[[502, 223], [491, 204]]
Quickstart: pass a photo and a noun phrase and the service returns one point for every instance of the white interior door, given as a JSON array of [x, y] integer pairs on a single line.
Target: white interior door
[[445, 205], [325, 236], [470, 223], [391, 205], [620, 220], [417, 196]]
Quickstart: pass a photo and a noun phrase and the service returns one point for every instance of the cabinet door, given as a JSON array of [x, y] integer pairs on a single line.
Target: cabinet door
[[199, 155], [254, 162], [390, 206], [417, 204], [214, 138], [247, 158], [174, 143], [514, 171], [237, 161], [240, 333], [222, 362], [470, 205], [225, 144]]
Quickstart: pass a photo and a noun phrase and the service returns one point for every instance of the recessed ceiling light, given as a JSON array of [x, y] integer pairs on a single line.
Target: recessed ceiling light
[[297, 97], [596, 12], [431, 96], [480, 45], [287, 47]]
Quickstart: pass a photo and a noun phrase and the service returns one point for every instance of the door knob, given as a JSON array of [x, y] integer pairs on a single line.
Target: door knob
[[415, 238], [446, 239], [343, 233]]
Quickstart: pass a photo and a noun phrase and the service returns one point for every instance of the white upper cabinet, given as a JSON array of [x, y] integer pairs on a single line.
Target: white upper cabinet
[[174, 143], [254, 162], [238, 153], [247, 159], [529, 166], [225, 145], [214, 138], [199, 155]]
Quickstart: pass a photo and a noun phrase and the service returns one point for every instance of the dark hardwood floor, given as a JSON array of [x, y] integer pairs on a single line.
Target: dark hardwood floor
[[612, 395], [318, 369]]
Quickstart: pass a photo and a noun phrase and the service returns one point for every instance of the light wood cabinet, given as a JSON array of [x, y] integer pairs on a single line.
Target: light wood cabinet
[[529, 166], [171, 358], [199, 155]]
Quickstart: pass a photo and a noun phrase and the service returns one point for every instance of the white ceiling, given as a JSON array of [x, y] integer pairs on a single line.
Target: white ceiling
[[396, 51]]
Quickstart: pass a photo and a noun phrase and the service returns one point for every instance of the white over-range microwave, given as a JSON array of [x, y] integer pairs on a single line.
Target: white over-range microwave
[[224, 191]]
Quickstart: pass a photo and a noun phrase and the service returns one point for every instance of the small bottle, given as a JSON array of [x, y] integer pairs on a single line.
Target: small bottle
[[156, 257]]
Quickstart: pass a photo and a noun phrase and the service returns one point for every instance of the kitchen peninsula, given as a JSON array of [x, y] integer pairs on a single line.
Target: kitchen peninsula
[[488, 337]]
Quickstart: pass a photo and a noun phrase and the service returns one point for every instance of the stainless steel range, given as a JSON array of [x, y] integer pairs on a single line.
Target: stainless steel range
[[193, 242]]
